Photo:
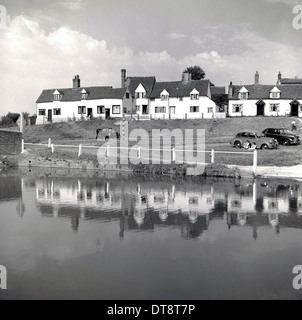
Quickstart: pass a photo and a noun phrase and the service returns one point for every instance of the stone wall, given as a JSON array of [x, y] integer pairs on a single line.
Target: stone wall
[[10, 142]]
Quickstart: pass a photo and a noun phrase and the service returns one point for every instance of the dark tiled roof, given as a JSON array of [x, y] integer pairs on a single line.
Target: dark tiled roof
[[291, 81], [133, 82], [76, 95], [217, 90], [180, 89], [292, 91]]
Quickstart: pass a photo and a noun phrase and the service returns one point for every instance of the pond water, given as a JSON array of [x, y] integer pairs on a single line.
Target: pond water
[[83, 235]]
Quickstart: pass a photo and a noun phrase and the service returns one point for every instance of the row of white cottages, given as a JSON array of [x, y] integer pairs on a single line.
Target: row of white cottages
[[145, 98], [138, 97]]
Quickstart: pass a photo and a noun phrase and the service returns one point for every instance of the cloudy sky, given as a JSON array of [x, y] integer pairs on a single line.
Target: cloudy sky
[[47, 42]]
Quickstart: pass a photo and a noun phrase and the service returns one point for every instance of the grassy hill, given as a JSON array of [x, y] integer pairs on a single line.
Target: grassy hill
[[219, 130]]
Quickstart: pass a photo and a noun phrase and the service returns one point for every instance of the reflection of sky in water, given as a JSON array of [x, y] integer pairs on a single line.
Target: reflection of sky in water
[[50, 225]]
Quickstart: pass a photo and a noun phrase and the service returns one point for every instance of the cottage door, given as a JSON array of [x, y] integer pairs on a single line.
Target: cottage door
[[49, 116], [294, 110]]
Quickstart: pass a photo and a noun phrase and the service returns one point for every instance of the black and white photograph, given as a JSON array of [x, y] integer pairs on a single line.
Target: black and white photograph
[[150, 153]]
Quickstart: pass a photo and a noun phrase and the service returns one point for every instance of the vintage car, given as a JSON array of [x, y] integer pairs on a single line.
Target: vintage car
[[106, 134], [253, 140], [283, 136]]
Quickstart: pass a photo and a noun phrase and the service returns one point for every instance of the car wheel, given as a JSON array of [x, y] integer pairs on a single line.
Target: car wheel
[[286, 142], [237, 144], [264, 146]]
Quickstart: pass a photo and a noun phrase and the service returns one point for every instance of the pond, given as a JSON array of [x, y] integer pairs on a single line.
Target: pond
[[87, 235]]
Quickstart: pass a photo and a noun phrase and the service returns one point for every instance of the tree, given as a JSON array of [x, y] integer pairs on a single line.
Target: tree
[[196, 72]]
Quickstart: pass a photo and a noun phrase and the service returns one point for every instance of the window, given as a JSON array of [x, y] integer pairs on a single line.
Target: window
[[164, 97], [57, 112], [84, 96], [138, 108], [194, 96], [194, 109], [127, 95], [210, 110], [275, 95], [172, 110], [160, 109], [274, 107], [57, 97], [140, 95], [180, 98], [100, 109], [116, 109], [42, 112], [237, 108], [243, 95], [81, 110], [152, 99]]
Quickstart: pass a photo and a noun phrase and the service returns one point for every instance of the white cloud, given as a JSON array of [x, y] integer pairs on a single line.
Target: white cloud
[[289, 2], [32, 60], [72, 4]]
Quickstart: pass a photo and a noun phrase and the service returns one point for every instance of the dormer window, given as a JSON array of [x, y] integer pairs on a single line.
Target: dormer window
[[243, 94], [84, 94], [57, 96], [275, 93], [164, 95], [140, 95], [140, 92], [194, 95]]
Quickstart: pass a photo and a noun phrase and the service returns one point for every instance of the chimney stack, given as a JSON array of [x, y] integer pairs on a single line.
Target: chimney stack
[[279, 78], [231, 90], [123, 78], [186, 77], [76, 82], [257, 78]]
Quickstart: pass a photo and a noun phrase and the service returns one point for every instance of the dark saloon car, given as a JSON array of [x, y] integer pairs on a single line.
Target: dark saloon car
[[283, 136], [253, 140]]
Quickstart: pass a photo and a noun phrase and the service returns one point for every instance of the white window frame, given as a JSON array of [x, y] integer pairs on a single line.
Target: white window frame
[[82, 110], [210, 109], [274, 105], [57, 111], [194, 109], [100, 109], [243, 95], [42, 112], [160, 110], [237, 105], [194, 96], [172, 108], [118, 107]]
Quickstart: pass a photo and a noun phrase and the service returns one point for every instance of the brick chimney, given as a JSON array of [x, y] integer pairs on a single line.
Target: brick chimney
[[231, 90], [256, 77], [279, 78], [76, 82], [123, 78], [186, 77]]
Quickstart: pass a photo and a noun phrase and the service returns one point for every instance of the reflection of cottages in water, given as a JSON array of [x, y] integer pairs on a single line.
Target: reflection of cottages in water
[[190, 206], [11, 190]]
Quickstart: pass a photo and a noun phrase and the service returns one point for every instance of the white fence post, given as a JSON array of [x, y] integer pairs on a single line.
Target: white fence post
[[212, 156], [80, 150], [108, 151], [49, 143], [52, 148], [255, 160], [139, 152], [173, 154], [22, 146]]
